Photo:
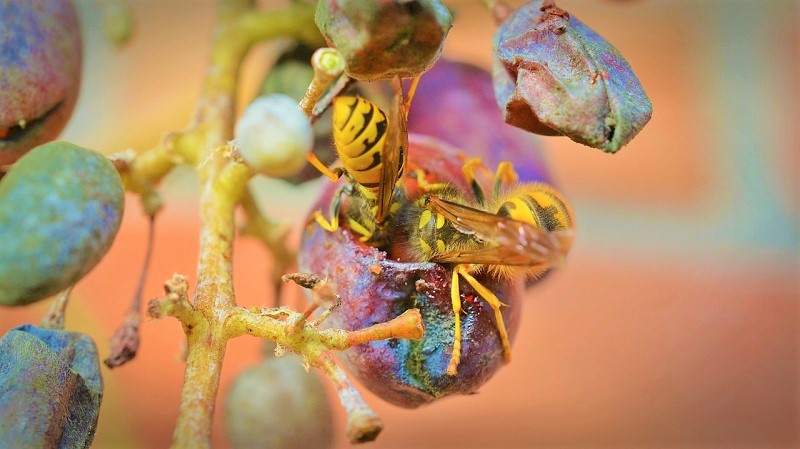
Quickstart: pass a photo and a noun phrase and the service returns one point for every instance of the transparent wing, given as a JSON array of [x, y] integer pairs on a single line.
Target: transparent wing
[[395, 152], [508, 241]]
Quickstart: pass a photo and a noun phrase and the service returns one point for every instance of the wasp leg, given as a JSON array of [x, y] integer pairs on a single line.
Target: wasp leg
[[469, 173], [455, 297], [411, 91], [334, 174], [505, 175], [494, 303], [336, 205], [426, 186], [360, 229]]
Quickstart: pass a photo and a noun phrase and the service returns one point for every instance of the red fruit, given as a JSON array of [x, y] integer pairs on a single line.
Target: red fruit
[[40, 72], [375, 288]]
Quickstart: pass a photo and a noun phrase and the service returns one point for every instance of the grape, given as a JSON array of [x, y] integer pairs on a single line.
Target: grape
[[60, 209], [278, 405], [380, 40], [50, 389], [273, 136], [450, 88], [40, 72], [374, 288]]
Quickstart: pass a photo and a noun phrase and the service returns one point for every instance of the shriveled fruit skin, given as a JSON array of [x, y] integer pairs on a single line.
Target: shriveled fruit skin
[[40, 72], [278, 405], [60, 209], [553, 75], [375, 288], [50, 389]]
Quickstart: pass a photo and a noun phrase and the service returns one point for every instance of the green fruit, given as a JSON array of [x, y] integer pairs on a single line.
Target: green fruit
[[60, 209], [278, 405]]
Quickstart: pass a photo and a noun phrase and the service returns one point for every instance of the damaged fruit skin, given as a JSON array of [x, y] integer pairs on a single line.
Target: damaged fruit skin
[[381, 39], [403, 372], [50, 389], [553, 75], [40, 72]]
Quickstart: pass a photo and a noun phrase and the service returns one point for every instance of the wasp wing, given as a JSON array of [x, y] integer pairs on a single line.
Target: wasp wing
[[395, 152], [509, 241]]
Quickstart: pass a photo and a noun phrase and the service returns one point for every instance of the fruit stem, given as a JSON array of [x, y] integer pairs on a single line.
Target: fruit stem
[[55, 316], [204, 144]]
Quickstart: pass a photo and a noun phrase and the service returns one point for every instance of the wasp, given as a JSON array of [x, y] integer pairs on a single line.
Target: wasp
[[520, 231], [372, 150]]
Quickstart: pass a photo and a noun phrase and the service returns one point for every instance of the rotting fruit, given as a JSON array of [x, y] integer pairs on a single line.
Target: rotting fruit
[[374, 288]]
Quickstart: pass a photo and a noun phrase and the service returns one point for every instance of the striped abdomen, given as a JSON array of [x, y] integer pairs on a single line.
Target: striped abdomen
[[359, 133], [536, 204]]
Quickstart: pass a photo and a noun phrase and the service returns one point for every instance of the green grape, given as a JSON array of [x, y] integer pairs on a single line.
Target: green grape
[[60, 209]]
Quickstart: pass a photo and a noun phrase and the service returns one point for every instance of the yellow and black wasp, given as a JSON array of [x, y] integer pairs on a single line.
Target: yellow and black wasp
[[521, 230], [372, 150]]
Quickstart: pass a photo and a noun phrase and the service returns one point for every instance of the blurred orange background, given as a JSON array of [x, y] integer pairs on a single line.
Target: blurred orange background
[[676, 323]]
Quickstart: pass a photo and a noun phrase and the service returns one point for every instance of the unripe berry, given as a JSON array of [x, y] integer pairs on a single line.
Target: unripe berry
[[273, 136], [278, 405], [60, 209]]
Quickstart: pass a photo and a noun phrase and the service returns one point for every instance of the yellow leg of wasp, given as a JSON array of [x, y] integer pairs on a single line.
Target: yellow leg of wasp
[[330, 226], [455, 297], [494, 303], [360, 229], [469, 173], [336, 204], [426, 186], [504, 176], [411, 91], [314, 160]]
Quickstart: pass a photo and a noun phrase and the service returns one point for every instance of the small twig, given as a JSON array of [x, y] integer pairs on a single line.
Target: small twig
[[54, 319], [328, 65], [499, 9], [363, 424], [340, 86], [125, 340], [273, 235], [323, 294]]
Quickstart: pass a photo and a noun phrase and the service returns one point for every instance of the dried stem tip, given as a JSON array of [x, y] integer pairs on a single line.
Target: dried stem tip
[[328, 65], [408, 325], [324, 292]]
